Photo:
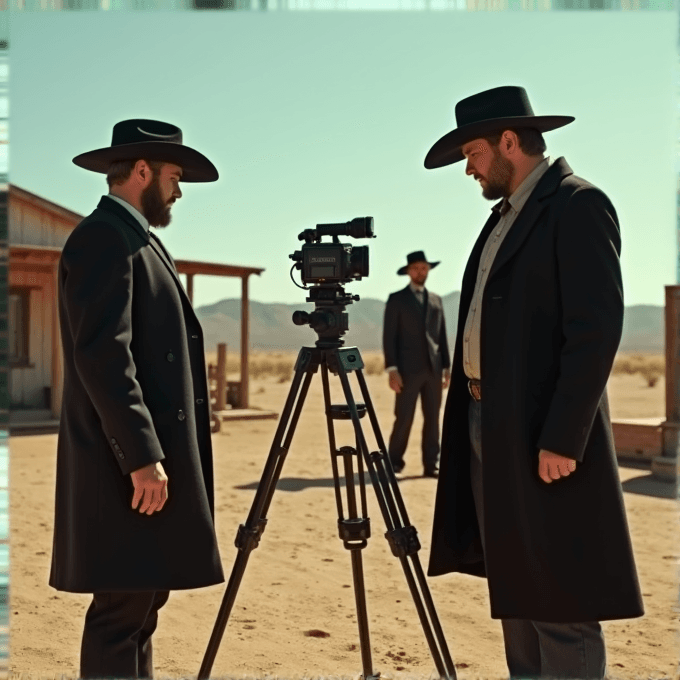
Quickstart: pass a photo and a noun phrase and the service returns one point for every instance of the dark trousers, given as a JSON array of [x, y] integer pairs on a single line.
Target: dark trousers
[[428, 386], [538, 649], [117, 635]]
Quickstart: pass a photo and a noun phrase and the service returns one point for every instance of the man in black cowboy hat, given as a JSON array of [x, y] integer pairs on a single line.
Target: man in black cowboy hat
[[417, 361], [529, 494], [134, 512]]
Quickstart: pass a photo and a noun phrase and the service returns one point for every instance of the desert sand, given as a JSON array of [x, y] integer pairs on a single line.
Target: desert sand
[[299, 578]]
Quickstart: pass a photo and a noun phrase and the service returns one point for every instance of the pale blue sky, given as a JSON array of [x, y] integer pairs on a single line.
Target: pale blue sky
[[323, 117]]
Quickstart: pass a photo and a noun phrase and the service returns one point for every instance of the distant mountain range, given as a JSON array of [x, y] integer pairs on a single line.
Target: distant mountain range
[[271, 327]]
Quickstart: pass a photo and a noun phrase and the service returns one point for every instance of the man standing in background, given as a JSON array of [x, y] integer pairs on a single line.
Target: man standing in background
[[417, 360]]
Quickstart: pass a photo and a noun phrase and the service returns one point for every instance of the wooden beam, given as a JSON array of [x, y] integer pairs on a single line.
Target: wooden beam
[[244, 341]]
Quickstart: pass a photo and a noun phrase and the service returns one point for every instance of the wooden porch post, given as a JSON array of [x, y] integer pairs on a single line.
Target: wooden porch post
[[244, 341], [57, 366], [190, 288], [666, 465]]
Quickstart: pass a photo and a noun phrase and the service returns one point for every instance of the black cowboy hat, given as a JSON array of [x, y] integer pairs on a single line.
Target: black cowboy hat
[[417, 256], [485, 113], [151, 140]]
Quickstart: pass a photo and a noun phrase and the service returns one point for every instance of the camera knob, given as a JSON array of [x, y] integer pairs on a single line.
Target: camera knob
[[300, 318]]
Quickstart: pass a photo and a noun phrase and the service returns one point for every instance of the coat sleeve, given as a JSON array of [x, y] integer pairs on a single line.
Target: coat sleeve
[[390, 330], [588, 246], [97, 289]]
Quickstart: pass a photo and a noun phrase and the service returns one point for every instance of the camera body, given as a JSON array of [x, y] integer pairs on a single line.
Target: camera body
[[327, 267], [335, 262]]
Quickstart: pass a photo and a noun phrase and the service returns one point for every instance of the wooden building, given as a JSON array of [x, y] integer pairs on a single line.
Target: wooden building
[[38, 229]]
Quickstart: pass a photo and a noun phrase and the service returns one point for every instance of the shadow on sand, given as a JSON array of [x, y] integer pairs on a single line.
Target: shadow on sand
[[302, 483]]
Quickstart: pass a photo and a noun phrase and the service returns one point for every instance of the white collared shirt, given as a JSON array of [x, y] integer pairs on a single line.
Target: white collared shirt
[[473, 323], [133, 211]]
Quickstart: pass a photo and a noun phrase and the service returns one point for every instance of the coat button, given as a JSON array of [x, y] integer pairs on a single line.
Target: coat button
[[170, 356], [180, 415], [121, 455], [199, 401], [195, 337], [113, 440]]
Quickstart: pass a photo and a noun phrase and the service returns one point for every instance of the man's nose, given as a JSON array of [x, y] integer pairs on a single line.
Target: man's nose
[[469, 170]]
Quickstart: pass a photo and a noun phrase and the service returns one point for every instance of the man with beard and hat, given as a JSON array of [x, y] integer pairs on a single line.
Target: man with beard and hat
[[417, 361], [134, 514], [529, 493]]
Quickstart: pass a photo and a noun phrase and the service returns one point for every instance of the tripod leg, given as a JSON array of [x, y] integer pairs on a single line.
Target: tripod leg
[[353, 531], [401, 535], [248, 535], [420, 575]]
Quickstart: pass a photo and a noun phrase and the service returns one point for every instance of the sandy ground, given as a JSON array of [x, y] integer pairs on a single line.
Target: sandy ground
[[300, 579]]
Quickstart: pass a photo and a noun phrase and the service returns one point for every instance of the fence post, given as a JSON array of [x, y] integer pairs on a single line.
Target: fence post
[[221, 402]]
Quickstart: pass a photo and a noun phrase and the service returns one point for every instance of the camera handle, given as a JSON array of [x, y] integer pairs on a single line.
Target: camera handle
[[354, 530]]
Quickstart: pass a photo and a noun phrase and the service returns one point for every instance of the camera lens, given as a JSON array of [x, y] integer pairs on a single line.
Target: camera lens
[[358, 261], [360, 227]]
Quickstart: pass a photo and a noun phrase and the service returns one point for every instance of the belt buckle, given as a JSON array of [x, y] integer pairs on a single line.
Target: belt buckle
[[475, 390]]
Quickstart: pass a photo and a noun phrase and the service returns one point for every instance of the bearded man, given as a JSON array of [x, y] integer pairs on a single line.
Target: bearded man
[[529, 493], [134, 514]]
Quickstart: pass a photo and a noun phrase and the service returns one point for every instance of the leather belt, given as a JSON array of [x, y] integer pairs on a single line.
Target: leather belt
[[475, 389]]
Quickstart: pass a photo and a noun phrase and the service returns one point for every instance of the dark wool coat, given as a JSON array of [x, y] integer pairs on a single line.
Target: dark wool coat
[[414, 340], [552, 315], [135, 392]]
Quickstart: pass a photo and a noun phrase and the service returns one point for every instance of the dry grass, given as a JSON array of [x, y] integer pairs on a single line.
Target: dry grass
[[280, 365], [651, 367]]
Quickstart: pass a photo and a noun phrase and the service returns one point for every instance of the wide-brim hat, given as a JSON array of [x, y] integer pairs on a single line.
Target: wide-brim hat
[[151, 140], [417, 256], [484, 114]]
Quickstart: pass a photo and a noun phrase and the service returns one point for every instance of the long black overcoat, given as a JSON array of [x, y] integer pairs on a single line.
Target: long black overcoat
[[552, 315], [135, 392]]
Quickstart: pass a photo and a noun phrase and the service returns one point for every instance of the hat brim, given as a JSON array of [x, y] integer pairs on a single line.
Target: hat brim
[[447, 150], [404, 269], [195, 166]]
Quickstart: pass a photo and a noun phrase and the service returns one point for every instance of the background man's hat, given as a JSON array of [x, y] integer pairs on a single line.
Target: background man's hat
[[151, 140], [484, 114], [417, 256]]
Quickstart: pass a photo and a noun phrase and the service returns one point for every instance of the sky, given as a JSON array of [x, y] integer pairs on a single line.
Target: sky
[[314, 117]]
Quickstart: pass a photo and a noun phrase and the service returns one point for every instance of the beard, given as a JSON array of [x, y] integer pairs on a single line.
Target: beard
[[154, 208], [501, 174]]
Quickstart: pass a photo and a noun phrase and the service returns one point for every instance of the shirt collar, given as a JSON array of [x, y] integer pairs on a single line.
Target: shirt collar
[[415, 287], [521, 194], [133, 211]]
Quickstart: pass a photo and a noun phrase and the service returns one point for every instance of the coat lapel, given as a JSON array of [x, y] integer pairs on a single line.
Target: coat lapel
[[153, 240], [528, 216]]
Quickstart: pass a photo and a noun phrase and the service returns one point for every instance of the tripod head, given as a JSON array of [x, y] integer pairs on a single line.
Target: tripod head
[[329, 318]]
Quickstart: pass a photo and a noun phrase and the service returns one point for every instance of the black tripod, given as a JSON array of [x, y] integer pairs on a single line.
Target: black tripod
[[355, 528]]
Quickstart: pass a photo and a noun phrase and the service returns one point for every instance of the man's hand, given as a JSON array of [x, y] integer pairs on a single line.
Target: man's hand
[[151, 487], [396, 383], [447, 378], [552, 466]]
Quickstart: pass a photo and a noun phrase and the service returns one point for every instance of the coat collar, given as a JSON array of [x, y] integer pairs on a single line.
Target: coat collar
[[535, 204], [109, 205]]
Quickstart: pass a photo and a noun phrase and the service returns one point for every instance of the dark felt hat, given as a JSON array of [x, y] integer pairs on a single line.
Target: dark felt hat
[[484, 114], [151, 140], [417, 256]]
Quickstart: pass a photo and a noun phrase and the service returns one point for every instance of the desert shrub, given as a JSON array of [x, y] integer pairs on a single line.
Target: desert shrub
[[651, 367]]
